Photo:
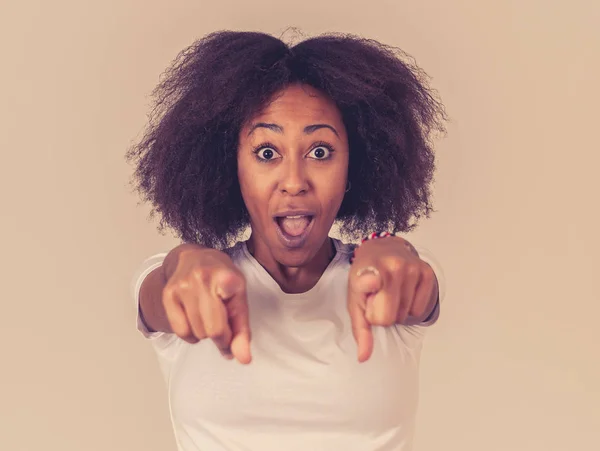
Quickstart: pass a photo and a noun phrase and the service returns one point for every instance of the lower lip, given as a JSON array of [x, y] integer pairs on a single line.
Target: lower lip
[[294, 242]]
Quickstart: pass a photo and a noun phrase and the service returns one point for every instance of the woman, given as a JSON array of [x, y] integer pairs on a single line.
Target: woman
[[249, 131]]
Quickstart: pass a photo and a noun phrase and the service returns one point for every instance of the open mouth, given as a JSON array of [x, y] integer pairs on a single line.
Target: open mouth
[[294, 229]]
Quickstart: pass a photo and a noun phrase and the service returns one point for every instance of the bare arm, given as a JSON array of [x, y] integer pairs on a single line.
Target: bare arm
[[152, 309], [199, 293]]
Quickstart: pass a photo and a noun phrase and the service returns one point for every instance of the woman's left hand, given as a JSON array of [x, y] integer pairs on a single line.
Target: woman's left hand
[[388, 284]]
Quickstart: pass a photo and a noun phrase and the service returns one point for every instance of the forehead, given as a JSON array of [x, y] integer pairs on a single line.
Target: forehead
[[300, 103]]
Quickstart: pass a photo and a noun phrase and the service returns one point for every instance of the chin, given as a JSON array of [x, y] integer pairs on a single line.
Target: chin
[[294, 258]]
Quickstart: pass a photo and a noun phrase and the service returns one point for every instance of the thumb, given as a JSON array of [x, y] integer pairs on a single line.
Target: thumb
[[231, 288], [366, 281]]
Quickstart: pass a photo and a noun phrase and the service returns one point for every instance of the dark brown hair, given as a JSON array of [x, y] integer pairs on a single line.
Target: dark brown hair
[[186, 164]]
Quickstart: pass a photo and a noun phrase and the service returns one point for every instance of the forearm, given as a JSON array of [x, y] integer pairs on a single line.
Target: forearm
[[151, 306]]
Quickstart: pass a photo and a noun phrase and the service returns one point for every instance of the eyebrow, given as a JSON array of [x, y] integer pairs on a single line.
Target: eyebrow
[[279, 129]]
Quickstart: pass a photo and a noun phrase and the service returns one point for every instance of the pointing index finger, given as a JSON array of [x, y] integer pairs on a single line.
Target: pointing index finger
[[231, 288], [240, 328], [361, 287], [361, 329]]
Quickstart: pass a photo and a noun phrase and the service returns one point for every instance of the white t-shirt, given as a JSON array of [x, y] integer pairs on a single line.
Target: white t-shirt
[[304, 390]]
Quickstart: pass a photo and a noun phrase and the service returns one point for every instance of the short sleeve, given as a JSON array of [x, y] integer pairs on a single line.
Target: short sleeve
[[166, 345]]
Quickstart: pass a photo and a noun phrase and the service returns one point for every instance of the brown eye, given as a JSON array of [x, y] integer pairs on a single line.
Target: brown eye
[[320, 153], [268, 154], [265, 153]]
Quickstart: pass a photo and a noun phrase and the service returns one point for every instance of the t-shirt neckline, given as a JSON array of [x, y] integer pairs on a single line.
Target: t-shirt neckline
[[269, 280]]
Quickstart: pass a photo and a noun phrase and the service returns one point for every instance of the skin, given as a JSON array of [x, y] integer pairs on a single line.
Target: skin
[[293, 155], [302, 163]]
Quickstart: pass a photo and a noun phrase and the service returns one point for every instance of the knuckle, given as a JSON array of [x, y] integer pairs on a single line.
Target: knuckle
[[168, 293], [199, 337], [182, 284], [174, 287], [182, 331], [215, 331], [428, 273], [235, 282], [412, 270], [200, 274], [234, 275], [394, 265], [198, 331]]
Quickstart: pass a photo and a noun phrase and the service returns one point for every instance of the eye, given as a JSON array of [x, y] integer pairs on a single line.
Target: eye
[[321, 152], [266, 153]]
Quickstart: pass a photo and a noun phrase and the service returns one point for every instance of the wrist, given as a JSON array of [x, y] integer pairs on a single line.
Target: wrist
[[382, 235]]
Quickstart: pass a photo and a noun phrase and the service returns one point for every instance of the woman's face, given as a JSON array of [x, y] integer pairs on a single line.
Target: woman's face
[[292, 169]]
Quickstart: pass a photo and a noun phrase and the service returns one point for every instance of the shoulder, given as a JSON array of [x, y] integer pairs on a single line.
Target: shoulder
[[345, 249], [238, 252]]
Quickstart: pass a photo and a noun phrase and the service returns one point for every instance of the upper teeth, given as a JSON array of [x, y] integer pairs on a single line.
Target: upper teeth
[[295, 217]]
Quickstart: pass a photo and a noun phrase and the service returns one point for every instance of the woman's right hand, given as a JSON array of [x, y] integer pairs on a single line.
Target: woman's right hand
[[205, 297]]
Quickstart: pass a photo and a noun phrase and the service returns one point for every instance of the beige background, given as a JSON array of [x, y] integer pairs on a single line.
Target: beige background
[[514, 362]]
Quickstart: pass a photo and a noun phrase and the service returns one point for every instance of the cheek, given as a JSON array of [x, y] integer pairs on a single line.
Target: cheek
[[255, 191], [333, 187]]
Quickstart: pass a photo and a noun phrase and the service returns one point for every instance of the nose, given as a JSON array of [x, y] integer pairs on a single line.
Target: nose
[[294, 179]]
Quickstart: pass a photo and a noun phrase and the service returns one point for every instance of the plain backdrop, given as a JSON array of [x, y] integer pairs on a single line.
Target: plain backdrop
[[513, 363]]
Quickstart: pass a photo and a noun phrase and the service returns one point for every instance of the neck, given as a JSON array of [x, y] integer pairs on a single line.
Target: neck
[[293, 279]]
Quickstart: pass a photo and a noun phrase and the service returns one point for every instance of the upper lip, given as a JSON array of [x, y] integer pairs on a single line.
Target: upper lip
[[285, 213]]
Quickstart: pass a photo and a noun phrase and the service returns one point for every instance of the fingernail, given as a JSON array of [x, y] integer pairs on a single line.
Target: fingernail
[[367, 270]]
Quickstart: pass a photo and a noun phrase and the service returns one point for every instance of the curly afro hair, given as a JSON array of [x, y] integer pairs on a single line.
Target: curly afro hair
[[186, 162]]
